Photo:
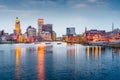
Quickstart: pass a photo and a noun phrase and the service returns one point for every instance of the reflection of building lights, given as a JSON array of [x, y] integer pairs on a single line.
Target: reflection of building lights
[[92, 50], [41, 50], [99, 49], [75, 49], [17, 54], [88, 51], [116, 50], [41, 47], [17, 58], [119, 50], [71, 48], [96, 51]]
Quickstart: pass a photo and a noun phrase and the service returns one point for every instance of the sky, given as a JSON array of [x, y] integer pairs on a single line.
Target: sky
[[93, 14]]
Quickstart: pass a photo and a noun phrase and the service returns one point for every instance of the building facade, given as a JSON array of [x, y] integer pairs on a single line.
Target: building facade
[[47, 28], [95, 35], [31, 31], [54, 35], [17, 30], [113, 35], [46, 36], [40, 25]]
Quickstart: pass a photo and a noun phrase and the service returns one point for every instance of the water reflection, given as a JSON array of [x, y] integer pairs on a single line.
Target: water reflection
[[41, 73], [97, 52], [63, 62], [94, 51], [71, 59], [88, 52], [31, 49], [115, 53], [49, 49], [17, 59], [71, 53], [116, 50]]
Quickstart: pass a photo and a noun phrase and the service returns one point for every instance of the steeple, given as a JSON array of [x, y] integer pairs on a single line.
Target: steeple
[[85, 29], [112, 26]]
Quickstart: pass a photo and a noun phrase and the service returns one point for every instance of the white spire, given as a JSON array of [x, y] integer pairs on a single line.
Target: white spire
[[112, 26]]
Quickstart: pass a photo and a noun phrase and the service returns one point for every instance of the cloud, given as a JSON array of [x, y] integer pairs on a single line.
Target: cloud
[[3, 7], [103, 4], [92, 4], [46, 1], [81, 5], [92, 1]]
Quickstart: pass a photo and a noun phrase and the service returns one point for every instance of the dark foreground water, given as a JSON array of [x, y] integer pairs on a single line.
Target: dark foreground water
[[58, 62]]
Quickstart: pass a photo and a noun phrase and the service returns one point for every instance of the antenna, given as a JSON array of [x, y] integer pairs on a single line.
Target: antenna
[[85, 28], [112, 26]]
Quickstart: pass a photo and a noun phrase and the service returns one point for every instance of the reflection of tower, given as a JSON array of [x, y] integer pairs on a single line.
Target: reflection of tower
[[41, 62], [71, 49], [71, 53], [17, 29], [88, 52], [17, 58], [40, 25], [71, 58]]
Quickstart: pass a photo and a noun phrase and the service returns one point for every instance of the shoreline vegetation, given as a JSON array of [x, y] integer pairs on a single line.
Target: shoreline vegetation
[[104, 44]]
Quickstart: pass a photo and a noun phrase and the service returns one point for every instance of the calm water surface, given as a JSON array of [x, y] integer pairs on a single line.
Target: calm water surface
[[58, 62]]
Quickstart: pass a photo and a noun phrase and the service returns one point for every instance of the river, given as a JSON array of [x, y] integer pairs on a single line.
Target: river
[[58, 62]]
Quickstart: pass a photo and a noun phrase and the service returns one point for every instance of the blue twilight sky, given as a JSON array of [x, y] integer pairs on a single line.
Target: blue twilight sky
[[93, 14]]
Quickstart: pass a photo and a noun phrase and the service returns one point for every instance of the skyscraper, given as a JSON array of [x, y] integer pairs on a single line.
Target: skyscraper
[[70, 30], [17, 30], [53, 35], [47, 27], [40, 25], [31, 31]]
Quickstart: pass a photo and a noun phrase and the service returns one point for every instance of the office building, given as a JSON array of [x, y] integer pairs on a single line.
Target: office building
[[47, 27], [46, 36], [31, 31], [53, 35], [70, 30], [95, 35], [40, 25]]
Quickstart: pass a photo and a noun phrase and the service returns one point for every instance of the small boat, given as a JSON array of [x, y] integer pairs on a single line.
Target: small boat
[[37, 42], [59, 43], [48, 43]]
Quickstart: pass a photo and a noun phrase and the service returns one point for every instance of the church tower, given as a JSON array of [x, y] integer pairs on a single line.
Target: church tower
[[17, 30]]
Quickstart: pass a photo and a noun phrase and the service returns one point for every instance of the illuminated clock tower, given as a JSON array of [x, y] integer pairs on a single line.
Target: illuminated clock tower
[[17, 30]]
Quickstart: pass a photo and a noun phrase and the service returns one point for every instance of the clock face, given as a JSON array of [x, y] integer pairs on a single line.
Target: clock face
[[17, 20]]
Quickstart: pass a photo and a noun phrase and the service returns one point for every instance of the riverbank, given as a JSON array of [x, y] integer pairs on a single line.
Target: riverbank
[[9, 42], [12, 42], [105, 44]]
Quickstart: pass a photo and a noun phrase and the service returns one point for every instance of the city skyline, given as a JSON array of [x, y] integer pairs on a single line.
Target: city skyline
[[93, 14]]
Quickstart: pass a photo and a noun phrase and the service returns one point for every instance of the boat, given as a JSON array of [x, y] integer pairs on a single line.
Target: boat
[[37, 42], [59, 43], [48, 43]]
